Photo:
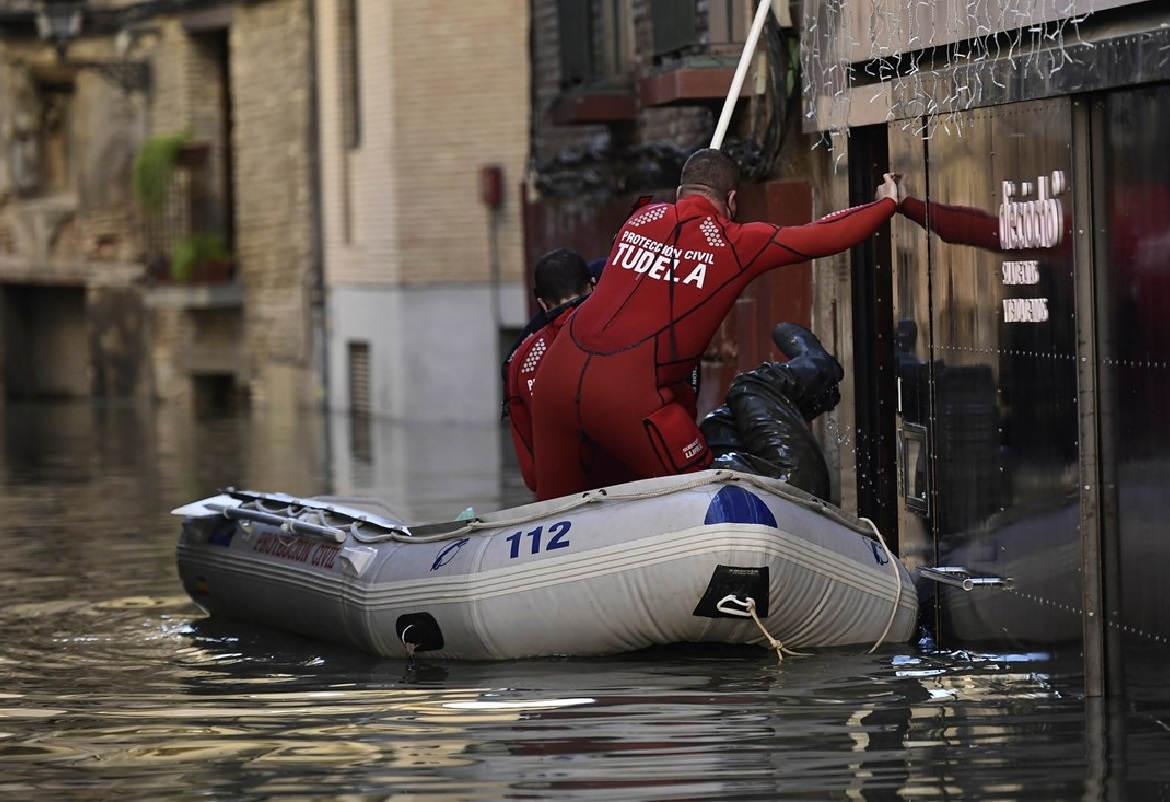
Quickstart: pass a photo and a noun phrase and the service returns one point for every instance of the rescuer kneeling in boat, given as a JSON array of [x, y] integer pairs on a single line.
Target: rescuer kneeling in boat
[[562, 280]]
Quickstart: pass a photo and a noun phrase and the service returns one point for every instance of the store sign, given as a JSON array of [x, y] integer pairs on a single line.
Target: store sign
[[1035, 223]]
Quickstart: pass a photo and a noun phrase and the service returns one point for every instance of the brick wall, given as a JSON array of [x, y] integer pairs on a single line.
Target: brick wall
[[444, 90], [260, 193], [271, 100], [685, 126], [463, 84]]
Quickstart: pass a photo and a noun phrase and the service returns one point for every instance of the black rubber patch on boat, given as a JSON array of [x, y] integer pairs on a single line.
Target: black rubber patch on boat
[[421, 629], [727, 580]]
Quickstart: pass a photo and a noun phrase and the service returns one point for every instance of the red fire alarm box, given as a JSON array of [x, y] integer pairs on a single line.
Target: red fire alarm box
[[491, 185]]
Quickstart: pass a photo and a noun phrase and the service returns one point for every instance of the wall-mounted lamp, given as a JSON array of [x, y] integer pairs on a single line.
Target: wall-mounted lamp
[[60, 22]]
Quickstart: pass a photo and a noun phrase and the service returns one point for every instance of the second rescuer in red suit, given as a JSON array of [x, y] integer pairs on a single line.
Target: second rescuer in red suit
[[562, 281], [616, 377]]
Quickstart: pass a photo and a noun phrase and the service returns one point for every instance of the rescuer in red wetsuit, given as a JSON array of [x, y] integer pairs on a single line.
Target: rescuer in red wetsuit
[[561, 280], [616, 378]]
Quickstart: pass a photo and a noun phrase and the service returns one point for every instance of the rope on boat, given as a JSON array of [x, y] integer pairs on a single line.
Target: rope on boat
[[410, 645], [749, 608], [898, 585], [567, 504], [683, 482], [360, 527], [362, 502]]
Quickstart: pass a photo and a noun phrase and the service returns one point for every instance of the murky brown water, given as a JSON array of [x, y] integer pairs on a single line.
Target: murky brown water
[[114, 686]]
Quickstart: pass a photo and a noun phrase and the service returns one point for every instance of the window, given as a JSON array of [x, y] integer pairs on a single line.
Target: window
[[360, 440], [41, 158], [359, 377], [350, 73], [596, 39], [617, 45]]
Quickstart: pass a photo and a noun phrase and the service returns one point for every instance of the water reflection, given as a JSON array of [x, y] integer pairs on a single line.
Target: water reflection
[[114, 684]]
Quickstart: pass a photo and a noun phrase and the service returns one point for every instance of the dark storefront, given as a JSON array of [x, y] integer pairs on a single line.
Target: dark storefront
[[1135, 366], [1030, 348], [986, 355]]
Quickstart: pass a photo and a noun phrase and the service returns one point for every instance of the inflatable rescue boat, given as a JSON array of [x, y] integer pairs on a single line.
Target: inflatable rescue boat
[[713, 557]]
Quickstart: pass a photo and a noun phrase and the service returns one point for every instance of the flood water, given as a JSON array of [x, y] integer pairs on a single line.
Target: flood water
[[115, 686]]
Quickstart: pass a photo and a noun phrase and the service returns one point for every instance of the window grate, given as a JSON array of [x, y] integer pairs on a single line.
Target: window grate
[[359, 377]]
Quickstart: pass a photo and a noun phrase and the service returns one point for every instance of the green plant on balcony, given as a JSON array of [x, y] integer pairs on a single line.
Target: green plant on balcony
[[200, 252], [154, 169]]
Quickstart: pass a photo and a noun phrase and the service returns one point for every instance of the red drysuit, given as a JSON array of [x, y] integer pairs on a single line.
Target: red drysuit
[[616, 378], [521, 373]]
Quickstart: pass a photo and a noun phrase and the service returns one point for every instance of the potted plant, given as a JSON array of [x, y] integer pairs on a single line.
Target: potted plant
[[154, 169], [202, 255]]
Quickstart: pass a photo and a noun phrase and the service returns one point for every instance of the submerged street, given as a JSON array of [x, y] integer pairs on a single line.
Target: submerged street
[[113, 678]]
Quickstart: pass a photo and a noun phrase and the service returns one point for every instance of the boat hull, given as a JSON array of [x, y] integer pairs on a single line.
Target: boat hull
[[653, 562]]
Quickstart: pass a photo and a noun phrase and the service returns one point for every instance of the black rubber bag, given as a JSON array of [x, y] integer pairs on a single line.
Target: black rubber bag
[[762, 430]]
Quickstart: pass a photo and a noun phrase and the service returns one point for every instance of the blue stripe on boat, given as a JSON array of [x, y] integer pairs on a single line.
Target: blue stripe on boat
[[734, 505]]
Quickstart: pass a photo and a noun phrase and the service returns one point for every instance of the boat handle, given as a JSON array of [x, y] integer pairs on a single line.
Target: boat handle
[[961, 578], [282, 522], [734, 605]]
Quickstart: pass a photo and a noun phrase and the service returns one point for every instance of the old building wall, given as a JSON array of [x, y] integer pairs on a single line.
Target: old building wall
[[421, 275], [68, 228], [461, 100], [274, 204], [358, 137], [435, 103], [242, 87], [684, 126], [177, 88]]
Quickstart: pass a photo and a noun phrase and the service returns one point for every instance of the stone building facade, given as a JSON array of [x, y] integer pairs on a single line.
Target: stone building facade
[[424, 132], [90, 306]]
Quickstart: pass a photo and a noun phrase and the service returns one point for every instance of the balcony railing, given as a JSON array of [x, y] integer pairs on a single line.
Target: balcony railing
[[187, 217]]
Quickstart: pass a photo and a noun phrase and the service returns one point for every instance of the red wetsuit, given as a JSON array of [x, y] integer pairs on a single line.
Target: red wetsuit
[[617, 377], [520, 377], [521, 369]]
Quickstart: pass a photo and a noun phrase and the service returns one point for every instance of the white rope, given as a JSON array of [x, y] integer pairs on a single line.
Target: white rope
[[898, 580], [410, 645], [402, 533], [572, 503], [749, 609]]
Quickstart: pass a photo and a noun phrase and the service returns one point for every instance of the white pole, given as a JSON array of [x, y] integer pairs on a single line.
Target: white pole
[[749, 49]]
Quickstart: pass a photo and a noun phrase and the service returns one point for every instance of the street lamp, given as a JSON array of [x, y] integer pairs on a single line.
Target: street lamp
[[60, 22]]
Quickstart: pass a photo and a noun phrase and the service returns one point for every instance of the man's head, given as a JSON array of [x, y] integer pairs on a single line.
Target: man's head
[[714, 175], [596, 268], [560, 276]]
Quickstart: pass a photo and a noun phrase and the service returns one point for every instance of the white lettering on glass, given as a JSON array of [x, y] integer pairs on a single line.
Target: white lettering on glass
[[1037, 223], [1025, 310]]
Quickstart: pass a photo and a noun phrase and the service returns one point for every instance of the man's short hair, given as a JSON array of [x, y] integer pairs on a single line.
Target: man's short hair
[[712, 169], [560, 275]]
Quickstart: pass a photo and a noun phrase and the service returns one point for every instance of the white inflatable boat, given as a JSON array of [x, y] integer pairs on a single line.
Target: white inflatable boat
[[715, 557]]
